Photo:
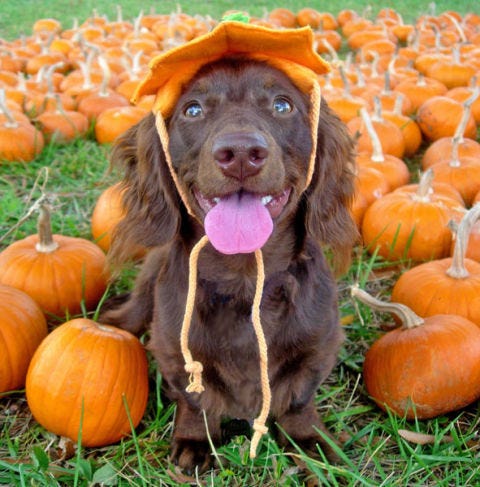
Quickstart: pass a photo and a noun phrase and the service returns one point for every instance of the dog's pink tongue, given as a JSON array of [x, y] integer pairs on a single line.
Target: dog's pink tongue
[[238, 224]]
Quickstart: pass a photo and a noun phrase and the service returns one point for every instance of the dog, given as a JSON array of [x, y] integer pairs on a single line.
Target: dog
[[239, 135]]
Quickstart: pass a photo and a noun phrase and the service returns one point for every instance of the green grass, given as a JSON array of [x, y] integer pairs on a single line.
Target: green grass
[[374, 452], [18, 16]]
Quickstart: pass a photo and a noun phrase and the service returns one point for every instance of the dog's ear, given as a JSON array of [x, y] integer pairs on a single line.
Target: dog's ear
[[151, 202], [331, 190]]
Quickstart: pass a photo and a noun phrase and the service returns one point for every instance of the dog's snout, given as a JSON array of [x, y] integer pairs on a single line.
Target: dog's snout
[[240, 155]]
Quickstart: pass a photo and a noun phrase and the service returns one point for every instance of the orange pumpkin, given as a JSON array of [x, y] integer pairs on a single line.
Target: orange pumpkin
[[19, 139], [108, 211], [440, 116], [412, 135], [113, 122], [415, 370], [62, 126], [441, 150], [83, 377], [22, 328], [462, 173], [410, 225], [420, 89], [394, 169], [391, 138], [282, 17], [452, 71], [446, 286], [57, 271]]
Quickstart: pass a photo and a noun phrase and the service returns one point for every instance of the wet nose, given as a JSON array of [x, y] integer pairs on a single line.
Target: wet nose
[[240, 155]]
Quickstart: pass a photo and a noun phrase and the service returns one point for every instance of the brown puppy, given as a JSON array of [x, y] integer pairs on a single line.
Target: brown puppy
[[241, 131]]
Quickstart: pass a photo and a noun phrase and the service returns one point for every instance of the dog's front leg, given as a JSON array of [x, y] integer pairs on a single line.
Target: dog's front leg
[[301, 423], [190, 445]]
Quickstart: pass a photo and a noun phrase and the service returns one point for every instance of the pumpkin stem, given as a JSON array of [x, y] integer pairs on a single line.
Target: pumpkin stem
[[458, 27], [467, 110], [106, 77], [421, 80], [397, 107], [334, 55], [45, 244], [346, 83], [377, 152], [407, 316], [425, 186], [454, 160], [457, 270], [10, 122]]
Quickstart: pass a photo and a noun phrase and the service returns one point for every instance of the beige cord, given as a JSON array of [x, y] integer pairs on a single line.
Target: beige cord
[[195, 368]]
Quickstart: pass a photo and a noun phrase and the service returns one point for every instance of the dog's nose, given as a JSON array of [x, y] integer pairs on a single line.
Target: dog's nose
[[240, 155]]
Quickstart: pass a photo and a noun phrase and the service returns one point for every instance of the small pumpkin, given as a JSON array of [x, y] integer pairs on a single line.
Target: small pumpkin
[[441, 149], [411, 132], [418, 90], [410, 224], [444, 286], [425, 368], [393, 168], [439, 117], [390, 136], [108, 211], [22, 328], [83, 377], [462, 173], [19, 139], [113, 122], [57, 271]]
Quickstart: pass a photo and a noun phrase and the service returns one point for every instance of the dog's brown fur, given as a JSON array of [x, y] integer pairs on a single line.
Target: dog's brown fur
[[299, 305]]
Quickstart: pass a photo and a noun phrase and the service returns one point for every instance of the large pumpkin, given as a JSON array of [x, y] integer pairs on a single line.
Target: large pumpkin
[[22, 328], [425, 368], [87, 374], [445, 286], [57, 271]]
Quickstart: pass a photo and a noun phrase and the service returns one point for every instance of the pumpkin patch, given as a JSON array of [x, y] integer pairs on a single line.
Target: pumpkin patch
[[408, 90]]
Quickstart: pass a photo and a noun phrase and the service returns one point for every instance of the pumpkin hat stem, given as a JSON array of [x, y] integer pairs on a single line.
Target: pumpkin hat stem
[[46, 243], [407, 316], [458, 270]]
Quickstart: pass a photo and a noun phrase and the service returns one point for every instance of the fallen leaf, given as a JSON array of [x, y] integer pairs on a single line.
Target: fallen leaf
[[422, 438]]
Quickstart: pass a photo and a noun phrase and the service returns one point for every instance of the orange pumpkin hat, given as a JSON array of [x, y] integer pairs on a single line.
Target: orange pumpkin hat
[[292, 52]]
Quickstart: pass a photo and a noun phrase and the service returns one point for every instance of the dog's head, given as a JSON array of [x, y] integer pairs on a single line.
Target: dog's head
[[240, 147]]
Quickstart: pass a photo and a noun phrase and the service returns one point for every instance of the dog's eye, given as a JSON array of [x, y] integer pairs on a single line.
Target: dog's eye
[[193, 110], [282, 105]]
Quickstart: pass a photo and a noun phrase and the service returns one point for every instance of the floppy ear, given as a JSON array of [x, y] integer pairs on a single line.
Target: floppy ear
[[331, 189], [152, 204]]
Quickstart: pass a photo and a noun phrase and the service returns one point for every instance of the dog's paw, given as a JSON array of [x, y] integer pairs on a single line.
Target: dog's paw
[[190, 455], [311, 445]]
